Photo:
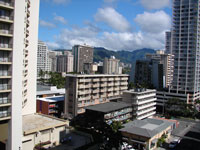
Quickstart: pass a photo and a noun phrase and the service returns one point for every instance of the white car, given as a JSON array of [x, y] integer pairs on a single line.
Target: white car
[[174, 143]]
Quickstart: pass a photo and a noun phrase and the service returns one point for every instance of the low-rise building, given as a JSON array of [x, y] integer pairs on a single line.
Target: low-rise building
[[42, 130], [143, 102], [144, 134], [84, 90], [109, 112], [49, 91], [51, 106]]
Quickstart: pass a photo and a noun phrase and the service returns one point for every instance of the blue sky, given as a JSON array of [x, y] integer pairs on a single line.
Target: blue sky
[[113, 24]]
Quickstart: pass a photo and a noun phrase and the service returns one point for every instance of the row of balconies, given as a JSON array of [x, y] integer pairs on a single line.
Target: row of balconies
[[146, 115], [82, 86], [144, 111], [103, 79], [7, 4], [5, 74]]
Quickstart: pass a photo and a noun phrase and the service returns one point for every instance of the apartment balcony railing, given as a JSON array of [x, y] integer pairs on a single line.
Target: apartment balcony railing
[[4, 60], [9, 18], [5, 101], [5, 73], [5, 114], [2, 45], [5, 87], [2, 31], [11, 4]]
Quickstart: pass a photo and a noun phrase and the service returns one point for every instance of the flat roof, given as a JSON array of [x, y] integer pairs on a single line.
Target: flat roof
[[52, 99], [97, 75], [147, 128], [108, 107], [49, 92], [140, 91], [37, 122]]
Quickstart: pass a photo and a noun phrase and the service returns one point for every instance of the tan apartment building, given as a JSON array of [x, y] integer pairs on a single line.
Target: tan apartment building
[[85, 90]]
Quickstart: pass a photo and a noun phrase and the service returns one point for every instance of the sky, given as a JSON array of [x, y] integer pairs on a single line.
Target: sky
[[112, 24]]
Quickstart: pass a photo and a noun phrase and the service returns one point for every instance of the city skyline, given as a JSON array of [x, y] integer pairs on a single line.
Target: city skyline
[[134, 24]]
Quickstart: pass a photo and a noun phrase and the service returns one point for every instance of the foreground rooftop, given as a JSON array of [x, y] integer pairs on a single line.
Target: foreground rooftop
[[148, 127], [36, 122], [108, 107]]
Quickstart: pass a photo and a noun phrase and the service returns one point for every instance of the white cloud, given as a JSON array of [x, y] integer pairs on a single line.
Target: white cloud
[[58, 1], [109, 1], [61, 1], [60, 19], [53, 45], [47, 24], [155, 4], [112, 18], [153, 22]]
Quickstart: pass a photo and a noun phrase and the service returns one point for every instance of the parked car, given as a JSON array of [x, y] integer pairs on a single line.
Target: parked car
[[174, 143]]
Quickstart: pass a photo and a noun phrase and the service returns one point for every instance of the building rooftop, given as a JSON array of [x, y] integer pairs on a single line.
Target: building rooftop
[[97, 75], [140, 91], [108, 107], [148, 127], [37, 122], [52, 99], [46, 89]]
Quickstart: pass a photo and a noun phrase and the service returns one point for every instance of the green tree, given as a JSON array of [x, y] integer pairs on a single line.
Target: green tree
[[56, 79], [41, 76]]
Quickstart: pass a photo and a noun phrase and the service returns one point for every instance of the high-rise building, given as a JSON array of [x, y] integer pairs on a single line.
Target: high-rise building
[[85, 90], [111, 66], [65, 62], [168, 45], [82, 54], [18, 50], [149, 74], [43, 62], [186, 48], [167, 60]]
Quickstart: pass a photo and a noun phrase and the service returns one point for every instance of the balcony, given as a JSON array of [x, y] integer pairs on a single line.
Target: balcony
[[5, 74], [147, 110], [110, 79], [28, 13], [95, 97], [146, 115], [117, 79], [28, 3], [25, 52], [7, 5], [7, 19], [5, 102], [110, 89], [7, 33], [27, 32], [5, 115], [110, 84], [124, 83], [103, 79], [95, 85], [5, 61], [95, 91], [124, 78], [103, 85], [5, 47], [96, 80], [26, 42], [123, 88]]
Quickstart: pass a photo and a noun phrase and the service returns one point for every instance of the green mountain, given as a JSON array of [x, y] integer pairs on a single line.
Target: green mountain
[[124, 56]]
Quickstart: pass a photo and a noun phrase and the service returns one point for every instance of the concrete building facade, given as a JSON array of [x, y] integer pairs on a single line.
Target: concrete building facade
[[18, 48], [111, 66], [143, 102], [167, 60], [168, 42], [65, 62], [82, 54], [86, 90]]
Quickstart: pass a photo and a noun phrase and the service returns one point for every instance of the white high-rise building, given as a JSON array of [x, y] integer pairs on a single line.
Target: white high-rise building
[[186, 48], [43, 62], [18, 52]]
